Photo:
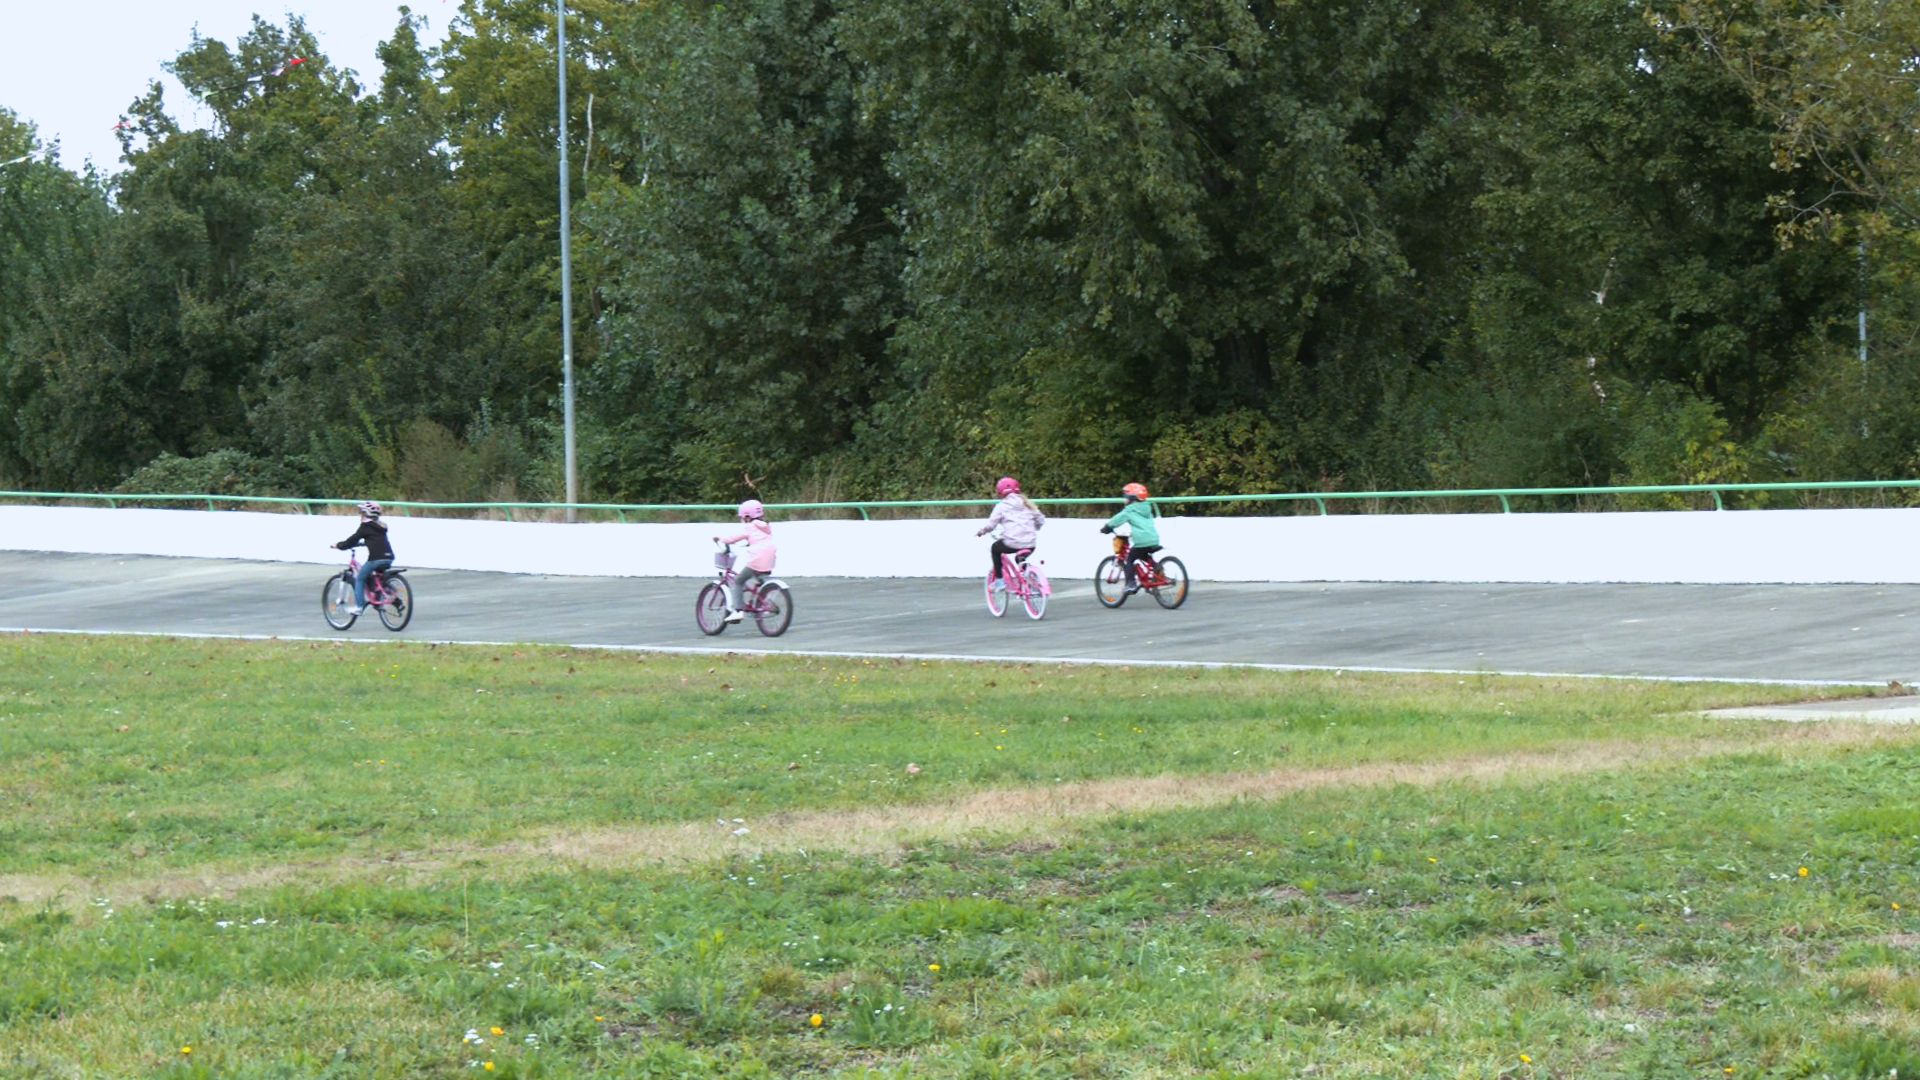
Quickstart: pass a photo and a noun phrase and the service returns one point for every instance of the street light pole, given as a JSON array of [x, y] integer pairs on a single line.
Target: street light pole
[[566, 278]]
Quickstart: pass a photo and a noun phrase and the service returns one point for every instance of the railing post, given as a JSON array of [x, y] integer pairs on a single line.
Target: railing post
[[1717, 504], [1505, 507], [1322, 504]]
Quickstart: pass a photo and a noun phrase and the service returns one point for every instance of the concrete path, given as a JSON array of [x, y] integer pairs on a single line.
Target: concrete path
[[1865, 634], [1888, 710]]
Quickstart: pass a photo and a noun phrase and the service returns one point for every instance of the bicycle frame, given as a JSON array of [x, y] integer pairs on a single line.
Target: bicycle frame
[[377, 591], [1145, 570], [1012, 569], [750, 594]]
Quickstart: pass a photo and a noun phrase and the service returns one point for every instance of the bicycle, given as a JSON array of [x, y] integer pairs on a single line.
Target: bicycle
[[1164, 578], [1023, 579], [387, 592], [768, 600]]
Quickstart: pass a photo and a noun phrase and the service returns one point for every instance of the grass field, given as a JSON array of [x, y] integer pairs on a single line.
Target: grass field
[[305, 860]]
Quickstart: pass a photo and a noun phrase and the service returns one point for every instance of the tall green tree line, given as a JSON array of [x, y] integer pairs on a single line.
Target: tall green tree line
[[897, 247]]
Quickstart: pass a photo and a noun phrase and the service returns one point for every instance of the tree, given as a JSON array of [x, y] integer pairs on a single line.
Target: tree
[[52, 223], [751, 267]]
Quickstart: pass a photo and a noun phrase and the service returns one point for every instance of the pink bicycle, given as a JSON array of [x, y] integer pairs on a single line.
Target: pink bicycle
[[1022, 578], [387, 592], [767, 600]]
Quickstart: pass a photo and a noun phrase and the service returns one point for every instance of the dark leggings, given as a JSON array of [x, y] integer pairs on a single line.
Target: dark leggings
[[1145, 555], [1001, 547]]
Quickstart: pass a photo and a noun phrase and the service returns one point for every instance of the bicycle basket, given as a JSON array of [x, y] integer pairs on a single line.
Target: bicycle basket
[[1119, 545], [723, 560]]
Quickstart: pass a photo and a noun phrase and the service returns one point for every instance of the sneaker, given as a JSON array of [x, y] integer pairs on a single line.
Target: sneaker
[[1131, 589], [352, 610], [734, 616], [999, 585]]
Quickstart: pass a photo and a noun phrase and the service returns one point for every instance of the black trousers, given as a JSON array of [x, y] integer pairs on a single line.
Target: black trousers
[[1001, 547], [1145, 554]]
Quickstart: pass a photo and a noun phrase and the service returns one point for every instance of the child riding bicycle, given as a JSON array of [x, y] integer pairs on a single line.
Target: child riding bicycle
[[379, 552], [1019, 522], [761, 553], [1137, 518]]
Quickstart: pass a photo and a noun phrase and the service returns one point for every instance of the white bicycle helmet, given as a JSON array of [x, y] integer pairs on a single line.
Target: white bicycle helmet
[[370, 509]]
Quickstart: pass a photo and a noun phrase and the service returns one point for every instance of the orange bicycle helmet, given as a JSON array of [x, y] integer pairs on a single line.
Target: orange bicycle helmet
[[1135, 491]]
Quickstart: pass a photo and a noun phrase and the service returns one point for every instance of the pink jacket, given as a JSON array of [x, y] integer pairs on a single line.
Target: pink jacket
[[760, 546], [1019, 523]]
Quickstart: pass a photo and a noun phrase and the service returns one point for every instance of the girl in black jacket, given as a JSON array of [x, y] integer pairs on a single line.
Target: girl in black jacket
[[379, 552]]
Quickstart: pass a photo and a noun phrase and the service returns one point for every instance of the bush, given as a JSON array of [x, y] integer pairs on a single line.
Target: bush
[[1672, 436], [495, 463], [1240, 452], [221, 472]]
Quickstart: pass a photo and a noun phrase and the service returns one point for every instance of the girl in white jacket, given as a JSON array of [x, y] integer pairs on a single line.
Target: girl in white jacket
[[1019, 522]]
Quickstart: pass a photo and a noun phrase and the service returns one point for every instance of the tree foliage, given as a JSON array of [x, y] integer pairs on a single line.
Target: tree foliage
[[898, 247]]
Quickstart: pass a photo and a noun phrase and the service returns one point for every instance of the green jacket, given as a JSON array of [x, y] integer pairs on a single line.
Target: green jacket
[[1140, 516]]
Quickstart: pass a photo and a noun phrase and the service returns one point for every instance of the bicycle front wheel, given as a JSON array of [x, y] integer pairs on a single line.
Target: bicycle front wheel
[[1035, 599], [996, 599], [710, 609], [336, 602], [1110, 583], [775, 612], [397, 612], [1174, 592]]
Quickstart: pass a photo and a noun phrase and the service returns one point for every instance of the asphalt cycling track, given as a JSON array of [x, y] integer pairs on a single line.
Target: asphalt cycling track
[[1847, 634]]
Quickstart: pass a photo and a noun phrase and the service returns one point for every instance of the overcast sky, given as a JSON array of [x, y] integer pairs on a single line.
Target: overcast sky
[[72, 68]]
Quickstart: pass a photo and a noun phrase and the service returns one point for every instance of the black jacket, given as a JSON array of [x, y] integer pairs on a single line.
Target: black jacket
[[374, 535]]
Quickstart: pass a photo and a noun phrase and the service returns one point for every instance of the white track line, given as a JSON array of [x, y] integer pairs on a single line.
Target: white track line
[[703, 650]]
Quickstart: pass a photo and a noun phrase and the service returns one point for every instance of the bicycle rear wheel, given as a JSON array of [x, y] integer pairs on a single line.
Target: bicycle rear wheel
[[996, 599], [774, 613], [336, 602], [1174, 592], [1035, 599], [397, 612], [710, 609], [1110, 583]]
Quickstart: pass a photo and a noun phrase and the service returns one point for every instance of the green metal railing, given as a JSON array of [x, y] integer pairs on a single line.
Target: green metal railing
[[1320, 500]]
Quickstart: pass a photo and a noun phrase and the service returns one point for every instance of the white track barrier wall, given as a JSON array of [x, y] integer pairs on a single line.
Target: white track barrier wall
[[1699, 546]]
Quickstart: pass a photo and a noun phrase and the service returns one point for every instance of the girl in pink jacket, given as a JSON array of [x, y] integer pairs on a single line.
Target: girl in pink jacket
[[1019, 522], [760, 554]]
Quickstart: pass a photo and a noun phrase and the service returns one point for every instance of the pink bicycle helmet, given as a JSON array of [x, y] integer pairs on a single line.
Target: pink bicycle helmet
[[1007, 486], [752, 509]]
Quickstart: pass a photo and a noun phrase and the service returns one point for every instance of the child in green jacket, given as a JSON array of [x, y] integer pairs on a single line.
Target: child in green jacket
[[1141, 532]]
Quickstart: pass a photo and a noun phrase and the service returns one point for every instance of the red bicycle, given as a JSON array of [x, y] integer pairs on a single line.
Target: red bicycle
[[1163, 577]]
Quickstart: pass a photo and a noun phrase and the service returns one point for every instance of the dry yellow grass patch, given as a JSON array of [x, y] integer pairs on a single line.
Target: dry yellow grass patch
[[1000, 813]]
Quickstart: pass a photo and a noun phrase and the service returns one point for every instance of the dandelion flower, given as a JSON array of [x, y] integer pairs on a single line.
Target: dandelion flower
[[599, 1019], [1525, 1060], [488, 1065], [933, 967], [1803, 871], [816, 1020], [497, 1031], [1431, 859], [1896, 905], [186, 1049]]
